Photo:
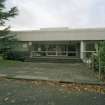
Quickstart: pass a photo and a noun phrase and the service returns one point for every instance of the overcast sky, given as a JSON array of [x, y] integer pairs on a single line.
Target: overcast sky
[[58, 13]]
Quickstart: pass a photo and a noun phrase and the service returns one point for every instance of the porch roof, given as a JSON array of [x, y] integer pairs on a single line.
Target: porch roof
[[62, 35]]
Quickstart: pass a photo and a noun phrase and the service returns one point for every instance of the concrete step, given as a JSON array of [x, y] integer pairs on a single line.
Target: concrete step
[[54, 59]]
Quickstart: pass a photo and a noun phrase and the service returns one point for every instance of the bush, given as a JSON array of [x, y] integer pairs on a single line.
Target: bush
[[102, 58], [16, 55], [96, 63]]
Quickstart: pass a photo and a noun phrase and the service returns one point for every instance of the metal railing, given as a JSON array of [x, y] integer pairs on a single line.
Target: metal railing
[[54, 53]]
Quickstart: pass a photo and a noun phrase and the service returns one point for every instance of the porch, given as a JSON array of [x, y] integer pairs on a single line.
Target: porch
[[61, 51]]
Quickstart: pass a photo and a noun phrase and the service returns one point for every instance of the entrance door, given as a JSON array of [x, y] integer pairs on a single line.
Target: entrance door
[[61, 50], [72, 50], [51, 50]]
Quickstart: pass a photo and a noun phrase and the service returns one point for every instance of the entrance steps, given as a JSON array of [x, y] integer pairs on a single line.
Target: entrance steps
[[54, 60]]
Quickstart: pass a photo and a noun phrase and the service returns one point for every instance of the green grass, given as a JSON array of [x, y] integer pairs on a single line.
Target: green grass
[[6, 63]]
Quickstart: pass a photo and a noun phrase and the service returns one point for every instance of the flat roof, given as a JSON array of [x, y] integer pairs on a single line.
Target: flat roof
[[61, 34]]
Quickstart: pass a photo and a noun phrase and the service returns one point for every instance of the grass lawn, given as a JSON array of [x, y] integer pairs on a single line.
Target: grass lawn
[[7, 63]]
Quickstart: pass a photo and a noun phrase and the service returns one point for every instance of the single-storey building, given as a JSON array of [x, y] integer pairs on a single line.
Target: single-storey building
[[62, 43]]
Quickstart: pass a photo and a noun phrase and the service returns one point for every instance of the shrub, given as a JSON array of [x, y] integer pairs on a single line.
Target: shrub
[[16, 55], [102, 58]]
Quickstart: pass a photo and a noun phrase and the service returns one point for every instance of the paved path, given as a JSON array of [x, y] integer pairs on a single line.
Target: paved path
[[13, 92], [76, 72]]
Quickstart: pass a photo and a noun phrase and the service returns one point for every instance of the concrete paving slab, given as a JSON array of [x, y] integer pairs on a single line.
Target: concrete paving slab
[[67, 72]]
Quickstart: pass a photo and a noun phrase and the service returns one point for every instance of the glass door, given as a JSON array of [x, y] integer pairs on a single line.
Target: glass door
[[61, 50], [72, 50], [51, 50]]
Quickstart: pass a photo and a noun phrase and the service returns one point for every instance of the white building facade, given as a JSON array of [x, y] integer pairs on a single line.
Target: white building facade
[[61, 42]]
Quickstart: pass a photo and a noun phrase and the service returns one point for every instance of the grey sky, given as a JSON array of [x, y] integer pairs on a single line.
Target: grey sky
[[58, 13]]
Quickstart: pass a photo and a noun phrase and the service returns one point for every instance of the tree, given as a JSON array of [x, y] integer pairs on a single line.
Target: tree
[[7, 38], [99, 60], [102, 55]]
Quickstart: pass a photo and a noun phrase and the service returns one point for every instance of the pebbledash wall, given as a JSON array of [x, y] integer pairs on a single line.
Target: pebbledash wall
[[86, 37]]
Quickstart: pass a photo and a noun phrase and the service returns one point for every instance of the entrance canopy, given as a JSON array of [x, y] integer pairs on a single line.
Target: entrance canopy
[[62, 35]]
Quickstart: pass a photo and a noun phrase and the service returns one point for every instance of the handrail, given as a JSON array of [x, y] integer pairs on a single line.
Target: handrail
[[63, 51], [55, 51], [59, 53]]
